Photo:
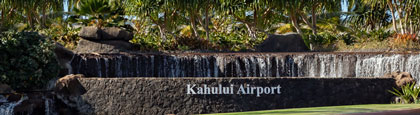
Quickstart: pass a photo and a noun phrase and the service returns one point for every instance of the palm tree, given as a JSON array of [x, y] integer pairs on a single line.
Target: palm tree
[[404, 11], [366, 17], [254, 14], [160, 12], [192, 9], [32, 11], [97, 10]]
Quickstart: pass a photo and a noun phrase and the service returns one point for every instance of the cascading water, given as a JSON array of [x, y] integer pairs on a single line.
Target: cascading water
[[246, 65], [49, 106], [6, 108]]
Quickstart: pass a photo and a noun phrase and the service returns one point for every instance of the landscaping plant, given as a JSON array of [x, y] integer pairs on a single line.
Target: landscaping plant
[[27, 60], [408, 93]]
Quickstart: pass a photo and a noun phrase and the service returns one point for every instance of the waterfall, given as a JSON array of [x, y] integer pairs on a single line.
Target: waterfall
[[7, 107], [246, 65], [49, 106]]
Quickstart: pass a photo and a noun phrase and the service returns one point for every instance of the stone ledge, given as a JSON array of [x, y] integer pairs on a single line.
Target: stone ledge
[[169, 95]]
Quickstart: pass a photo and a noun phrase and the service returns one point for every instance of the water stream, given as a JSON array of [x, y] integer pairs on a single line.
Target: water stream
[[6, 108]]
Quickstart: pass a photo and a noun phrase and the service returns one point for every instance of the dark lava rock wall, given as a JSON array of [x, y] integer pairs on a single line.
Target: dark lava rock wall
[[153, 96], [246, 64]]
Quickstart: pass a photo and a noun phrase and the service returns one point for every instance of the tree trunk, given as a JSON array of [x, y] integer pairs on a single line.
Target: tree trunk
[[30, 20], [401, 26], [391, 8], [193, 25], [306, 21], [2, 17], [43, 18], [251, 30], [162, 31], [314, 29], [400, 16], [295, 23], [206, 27]]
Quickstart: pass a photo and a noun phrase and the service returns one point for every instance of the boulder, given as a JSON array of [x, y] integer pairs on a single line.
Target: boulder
[[4, 88], [105, 33], [69, 85], [289, 42], [69, 93], [108, 46], [114, 33], [401, 78], [90, 32], [12, 96], [64, 57]]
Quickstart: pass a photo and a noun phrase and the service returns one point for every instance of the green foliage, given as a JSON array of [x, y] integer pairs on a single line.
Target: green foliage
[[146, 42], [322, 38], [380, 34], [408, 93], [228, 24], [34, 13], [236, 41], [101, 13], [64, 35], [225, 42], [27, 60]]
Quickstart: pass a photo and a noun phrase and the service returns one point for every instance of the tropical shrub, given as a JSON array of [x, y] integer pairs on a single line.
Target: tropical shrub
[[27, 60], [100, 13], [146, 42], [380, 34], [404, 42], [186, 43], [64, 35], [408, 93]]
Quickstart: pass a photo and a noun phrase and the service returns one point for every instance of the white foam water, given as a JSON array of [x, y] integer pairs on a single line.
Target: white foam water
[[267, 65], [7, 107]]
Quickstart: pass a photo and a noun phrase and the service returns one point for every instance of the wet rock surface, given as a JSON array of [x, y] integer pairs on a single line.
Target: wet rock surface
[[63, 57], [169, 95], [42, 103]]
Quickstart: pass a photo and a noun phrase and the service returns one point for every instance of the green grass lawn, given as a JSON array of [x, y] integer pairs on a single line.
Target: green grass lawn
[[330, 110]]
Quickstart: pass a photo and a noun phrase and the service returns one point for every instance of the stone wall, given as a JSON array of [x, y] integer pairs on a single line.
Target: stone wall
[[169, 95]]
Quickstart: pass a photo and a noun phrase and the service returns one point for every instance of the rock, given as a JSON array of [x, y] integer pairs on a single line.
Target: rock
[[70, 85], [114, 33], [401, 78], [12, 96], [4, 88], [108, 46], [106, 33], [64, 58], [90, 32], [392, 74], [404, 78], [33, 104], [290, 42]]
